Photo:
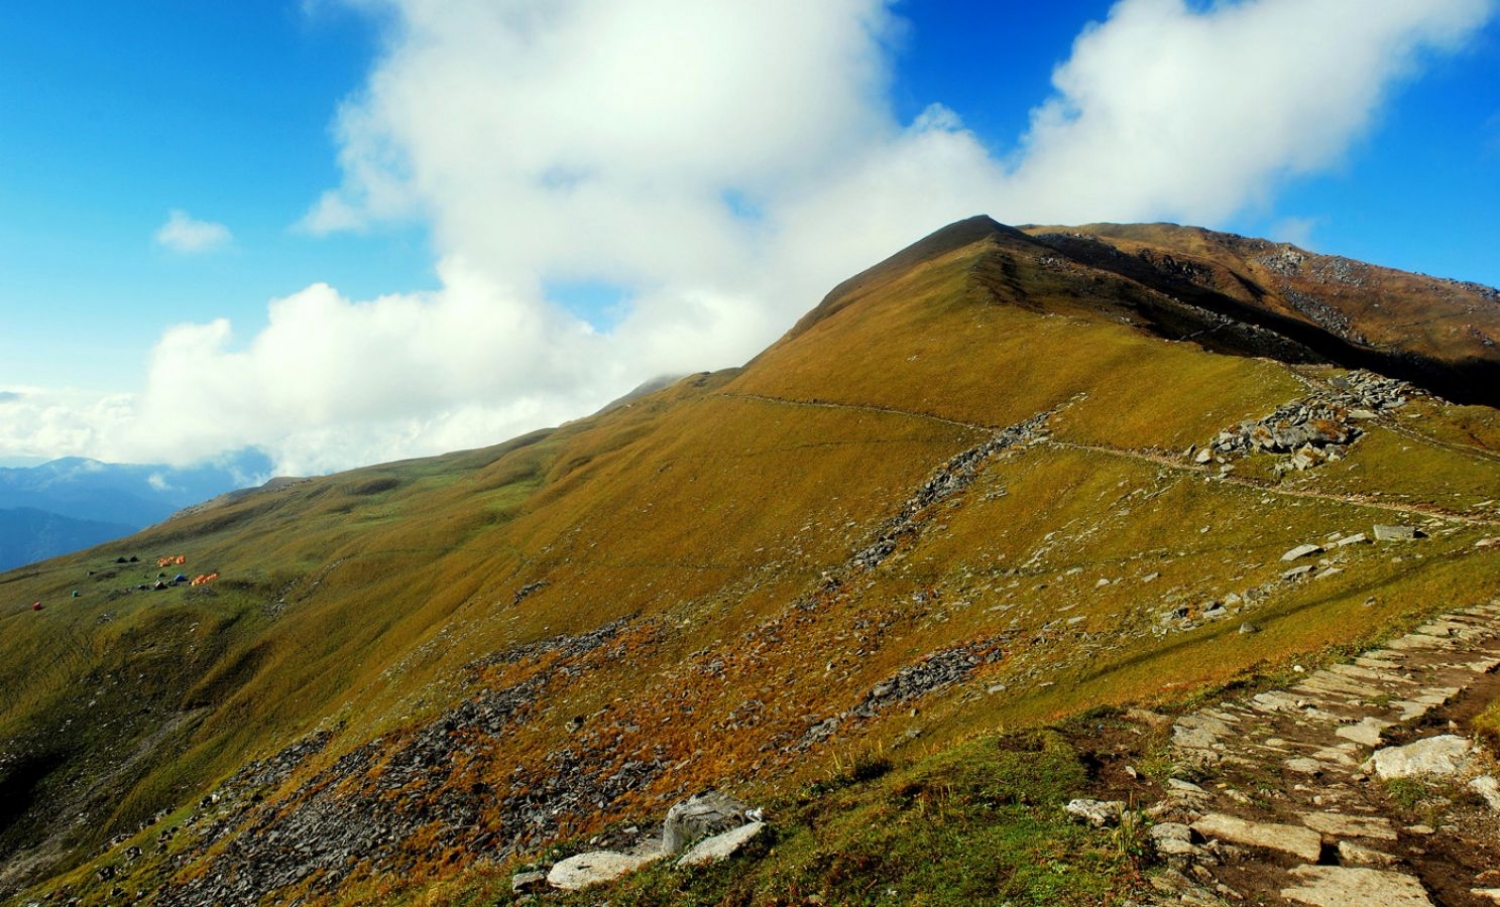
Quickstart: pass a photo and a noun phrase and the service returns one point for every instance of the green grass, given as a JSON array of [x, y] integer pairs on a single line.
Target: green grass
[[980, 823], [1487, 726]]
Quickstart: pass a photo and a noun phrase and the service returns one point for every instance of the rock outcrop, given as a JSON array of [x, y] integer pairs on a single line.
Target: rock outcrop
[[699, 817]]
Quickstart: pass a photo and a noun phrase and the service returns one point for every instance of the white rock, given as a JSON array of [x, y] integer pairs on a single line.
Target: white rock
[[1172, 838], [1340, 825], [1367, 731], [1445, 755], [1304, 765], [1301, 842], [1353, 854], [1185, 786], [1340, 886], [1302, 551], [721, 847], [1487, 787], [579, 872], [1098, 813], [698, 817]]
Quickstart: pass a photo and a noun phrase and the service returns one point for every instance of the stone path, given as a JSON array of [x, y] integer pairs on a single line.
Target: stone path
[[1284, 809]]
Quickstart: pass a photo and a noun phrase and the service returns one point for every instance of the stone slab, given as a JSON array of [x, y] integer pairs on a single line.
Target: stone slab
[[1365, 732], [1299, 841], [579, 872], [1344, 826], [722, 846], [1342, 886], [1352, 853]]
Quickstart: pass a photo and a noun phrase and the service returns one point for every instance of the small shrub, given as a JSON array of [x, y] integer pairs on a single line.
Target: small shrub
[[1408, 793]]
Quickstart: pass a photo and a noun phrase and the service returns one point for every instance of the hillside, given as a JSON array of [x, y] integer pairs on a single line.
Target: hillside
[[1002, 480]]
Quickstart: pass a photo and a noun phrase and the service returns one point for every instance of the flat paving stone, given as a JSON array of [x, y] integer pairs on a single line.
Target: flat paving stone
[[1342, 886], [1335, 685], [1299, 841], [1305, 766], [1369, 675], [1340, 825], [1366, 731], [1352, 853]]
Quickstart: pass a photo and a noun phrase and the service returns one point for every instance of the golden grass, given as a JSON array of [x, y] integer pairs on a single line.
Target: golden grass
[[714, 513]]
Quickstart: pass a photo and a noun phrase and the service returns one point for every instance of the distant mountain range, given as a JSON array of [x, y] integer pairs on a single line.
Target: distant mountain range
[[73, 503]]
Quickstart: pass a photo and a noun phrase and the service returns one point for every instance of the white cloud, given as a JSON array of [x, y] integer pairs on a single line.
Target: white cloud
[[185, 234], [623, 142], [1296, 230], [1167, 112], [45, 423]]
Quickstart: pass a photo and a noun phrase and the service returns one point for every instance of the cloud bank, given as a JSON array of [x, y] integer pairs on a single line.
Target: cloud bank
[[187, 235], [722, 165]]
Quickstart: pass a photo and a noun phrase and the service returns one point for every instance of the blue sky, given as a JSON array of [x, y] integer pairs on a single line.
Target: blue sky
[[402, 230]]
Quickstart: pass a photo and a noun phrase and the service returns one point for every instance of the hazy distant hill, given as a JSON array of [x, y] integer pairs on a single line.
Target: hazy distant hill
[[896, 580], [28, 535], [73, 503]]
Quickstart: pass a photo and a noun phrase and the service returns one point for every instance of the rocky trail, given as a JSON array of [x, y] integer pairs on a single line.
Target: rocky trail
[[1301, 795]]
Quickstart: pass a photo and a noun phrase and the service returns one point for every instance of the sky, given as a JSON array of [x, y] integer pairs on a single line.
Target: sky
[[351, 231]]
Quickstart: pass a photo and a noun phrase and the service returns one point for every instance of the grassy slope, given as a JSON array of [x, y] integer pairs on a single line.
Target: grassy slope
[[707, 512]]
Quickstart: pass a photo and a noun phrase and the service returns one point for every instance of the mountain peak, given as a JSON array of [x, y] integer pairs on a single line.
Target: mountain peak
[[957, 235]]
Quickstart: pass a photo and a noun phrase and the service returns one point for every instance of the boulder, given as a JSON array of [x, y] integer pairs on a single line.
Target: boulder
[[698, 817], [721, 847], [1394, 533], [579, 872], [527, 882], [1172, 839], [1302, 551], [1098, 813], [1445, 755]]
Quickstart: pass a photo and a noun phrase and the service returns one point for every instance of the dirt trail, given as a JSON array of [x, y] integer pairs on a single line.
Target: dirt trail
[[861, 407], [1170, 461], [1158, 458], [1275, 804]]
